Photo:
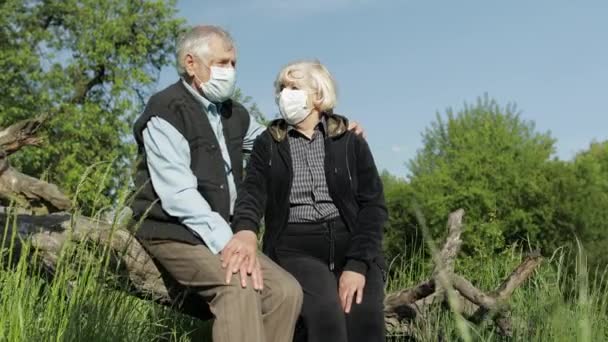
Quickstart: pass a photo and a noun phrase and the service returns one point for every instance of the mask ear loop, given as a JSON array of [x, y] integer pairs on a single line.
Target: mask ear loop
[[197, 79]]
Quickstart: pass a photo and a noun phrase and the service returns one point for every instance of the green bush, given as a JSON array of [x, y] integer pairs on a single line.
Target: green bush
[[489, 161]]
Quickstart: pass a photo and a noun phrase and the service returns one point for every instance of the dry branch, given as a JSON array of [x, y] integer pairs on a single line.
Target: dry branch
[[406, 306], [21, 134], [27, 192]]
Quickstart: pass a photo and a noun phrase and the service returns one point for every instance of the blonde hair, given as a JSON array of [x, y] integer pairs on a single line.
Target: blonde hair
[[312, 76]]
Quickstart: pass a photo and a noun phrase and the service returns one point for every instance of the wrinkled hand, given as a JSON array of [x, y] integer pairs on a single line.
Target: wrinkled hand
[[240, 255], [356, 128], [351, 284], [254, 271]]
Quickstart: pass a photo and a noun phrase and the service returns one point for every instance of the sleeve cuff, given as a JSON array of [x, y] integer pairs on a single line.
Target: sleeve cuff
[[356, 266], [245, 224], [217, 238]]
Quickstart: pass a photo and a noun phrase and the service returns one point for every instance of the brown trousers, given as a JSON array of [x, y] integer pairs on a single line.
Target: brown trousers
[[241, 314]]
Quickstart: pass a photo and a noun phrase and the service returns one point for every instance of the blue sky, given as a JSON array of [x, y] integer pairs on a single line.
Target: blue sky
[[398, 62]]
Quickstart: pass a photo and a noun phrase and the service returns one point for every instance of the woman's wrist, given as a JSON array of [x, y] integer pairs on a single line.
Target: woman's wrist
[[355, 265]]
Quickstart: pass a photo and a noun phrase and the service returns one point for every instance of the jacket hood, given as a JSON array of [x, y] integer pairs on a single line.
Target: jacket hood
[[336, 126]]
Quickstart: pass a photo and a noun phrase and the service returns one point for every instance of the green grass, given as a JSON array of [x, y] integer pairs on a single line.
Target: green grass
[[559, 303]]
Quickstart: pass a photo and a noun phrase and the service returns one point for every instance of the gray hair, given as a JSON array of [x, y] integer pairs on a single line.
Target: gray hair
[[196, 42]]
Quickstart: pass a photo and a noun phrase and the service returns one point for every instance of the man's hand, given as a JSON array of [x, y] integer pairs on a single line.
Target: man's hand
[[351, 284], [356, 128], [240, 255]]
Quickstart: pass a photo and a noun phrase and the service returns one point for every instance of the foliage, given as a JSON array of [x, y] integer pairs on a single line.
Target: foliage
[[88, 65], [591, 200], [402, 236], [490, 162], [582, 206], [496, 166], [251, 106]]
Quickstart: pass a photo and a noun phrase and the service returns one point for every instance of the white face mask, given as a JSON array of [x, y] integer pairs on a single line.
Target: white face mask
[[293, 105], [221, 84]]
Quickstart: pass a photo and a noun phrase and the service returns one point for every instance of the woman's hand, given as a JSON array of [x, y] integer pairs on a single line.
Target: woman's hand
[[351, 284], [240, 255]]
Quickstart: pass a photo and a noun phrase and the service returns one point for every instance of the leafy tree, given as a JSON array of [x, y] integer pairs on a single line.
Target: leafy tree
[[402, 234], [486, 159], [252, 106], [88, 65], [583, 207]]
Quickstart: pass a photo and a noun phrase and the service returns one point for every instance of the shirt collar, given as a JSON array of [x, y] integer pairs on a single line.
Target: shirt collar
[[321, 126], [209, 106]]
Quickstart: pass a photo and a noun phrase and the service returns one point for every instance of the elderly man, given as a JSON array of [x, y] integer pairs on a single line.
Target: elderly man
[[191, 138]]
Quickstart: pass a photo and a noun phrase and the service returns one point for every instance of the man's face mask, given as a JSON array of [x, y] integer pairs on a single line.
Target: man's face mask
[[221, 84]]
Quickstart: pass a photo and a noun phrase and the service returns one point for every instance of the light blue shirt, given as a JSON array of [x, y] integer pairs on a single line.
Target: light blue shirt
[[168, 158]]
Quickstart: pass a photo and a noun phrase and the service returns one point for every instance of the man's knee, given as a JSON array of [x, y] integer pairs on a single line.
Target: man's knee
[[231, 301], [234, 292], [288, 292]]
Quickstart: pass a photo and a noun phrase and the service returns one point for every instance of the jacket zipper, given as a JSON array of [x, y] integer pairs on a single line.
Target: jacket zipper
[[332, 246], [350, 179], [270, 159]]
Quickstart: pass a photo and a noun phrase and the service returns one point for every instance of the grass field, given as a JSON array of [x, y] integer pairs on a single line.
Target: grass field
[[558, 304]]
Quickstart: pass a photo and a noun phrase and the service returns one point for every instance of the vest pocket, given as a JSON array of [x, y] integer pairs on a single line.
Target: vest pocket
[[198, 141], [205, 186], [215, 194]]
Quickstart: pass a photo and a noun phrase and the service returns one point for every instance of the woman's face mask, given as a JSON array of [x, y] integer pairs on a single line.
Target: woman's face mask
[[293, 105]]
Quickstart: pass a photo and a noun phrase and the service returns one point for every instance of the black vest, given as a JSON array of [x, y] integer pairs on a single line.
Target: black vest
[[182, 110]]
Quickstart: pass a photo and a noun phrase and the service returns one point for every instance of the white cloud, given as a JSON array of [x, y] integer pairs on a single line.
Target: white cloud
[[398, 148]]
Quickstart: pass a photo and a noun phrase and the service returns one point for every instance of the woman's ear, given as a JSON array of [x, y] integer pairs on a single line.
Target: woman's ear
[[316, 100]]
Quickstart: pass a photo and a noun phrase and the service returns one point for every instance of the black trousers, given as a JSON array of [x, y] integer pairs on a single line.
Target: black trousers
[[307, 251]]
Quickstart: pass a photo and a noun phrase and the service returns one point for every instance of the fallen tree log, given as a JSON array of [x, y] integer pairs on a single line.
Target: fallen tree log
[[404, 309], [136, 270], [50, 232], [27, 192]]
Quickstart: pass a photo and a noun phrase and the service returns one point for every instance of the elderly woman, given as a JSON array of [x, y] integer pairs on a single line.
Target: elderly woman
[[318, 187]]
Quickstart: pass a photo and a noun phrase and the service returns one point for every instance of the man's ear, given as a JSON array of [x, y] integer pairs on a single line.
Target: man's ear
[[189, 64]]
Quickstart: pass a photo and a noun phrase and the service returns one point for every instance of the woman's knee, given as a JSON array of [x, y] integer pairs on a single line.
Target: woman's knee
[[366, 320], [323, 311], [324, 321]]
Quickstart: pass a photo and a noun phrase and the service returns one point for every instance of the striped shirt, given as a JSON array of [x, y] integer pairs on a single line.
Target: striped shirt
[[309, 199]]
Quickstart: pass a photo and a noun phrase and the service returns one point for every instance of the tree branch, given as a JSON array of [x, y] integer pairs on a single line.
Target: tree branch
[[83, 90], [21, 134]]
